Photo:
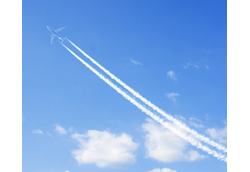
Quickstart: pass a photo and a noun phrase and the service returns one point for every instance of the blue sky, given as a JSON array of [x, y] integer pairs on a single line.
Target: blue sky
[[173, 53]]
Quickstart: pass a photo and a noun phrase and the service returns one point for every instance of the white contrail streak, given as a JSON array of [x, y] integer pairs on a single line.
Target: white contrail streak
[[152, 115], [169, 117]]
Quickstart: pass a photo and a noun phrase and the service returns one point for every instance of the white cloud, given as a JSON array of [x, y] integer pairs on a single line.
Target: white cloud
[[165, 146], [218, 134], [171, 74], [135, 62], [207, 66], [172, 96], [60, 130], [162, 170], [37, 131], [104, 149]]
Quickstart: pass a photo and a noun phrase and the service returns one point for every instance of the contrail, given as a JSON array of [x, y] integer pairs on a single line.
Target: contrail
[[152, 115], [169, 117]]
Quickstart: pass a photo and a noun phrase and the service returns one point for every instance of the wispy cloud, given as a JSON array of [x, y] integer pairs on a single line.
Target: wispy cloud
[[225, 121], [37, 131], [104, 149], [60, 130], [49, 134], [70, 129], [180, 118], [206, 51], [192, 65], [207, 66], [162, 170], [195, 119], [207, 116], [135, 62], [196, 125], [172, 96], [191, 121], [218, 134], [171, 74], [165, 146]]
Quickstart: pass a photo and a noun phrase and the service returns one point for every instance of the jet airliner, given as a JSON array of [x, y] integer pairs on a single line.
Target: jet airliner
[[54, 33]]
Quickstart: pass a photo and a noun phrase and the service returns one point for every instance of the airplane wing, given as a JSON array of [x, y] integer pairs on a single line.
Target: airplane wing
[[57, 30], [52, 37]]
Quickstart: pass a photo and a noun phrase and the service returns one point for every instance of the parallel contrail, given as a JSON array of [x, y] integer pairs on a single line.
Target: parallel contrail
[[152, 115], [169, 117]]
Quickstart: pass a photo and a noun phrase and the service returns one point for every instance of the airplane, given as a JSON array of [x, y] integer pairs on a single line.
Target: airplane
[[54, 33]]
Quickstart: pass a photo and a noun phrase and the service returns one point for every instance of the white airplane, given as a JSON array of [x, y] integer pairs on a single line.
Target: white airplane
[[54, 33]]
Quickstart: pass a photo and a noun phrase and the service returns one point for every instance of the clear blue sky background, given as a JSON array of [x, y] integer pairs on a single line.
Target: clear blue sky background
[[186, 37]]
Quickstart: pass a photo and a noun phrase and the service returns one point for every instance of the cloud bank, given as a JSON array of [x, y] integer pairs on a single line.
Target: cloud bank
[[104, 149], [163, 145]]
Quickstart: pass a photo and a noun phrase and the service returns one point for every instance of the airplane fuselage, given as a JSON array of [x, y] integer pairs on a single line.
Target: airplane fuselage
[[54, 33]]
